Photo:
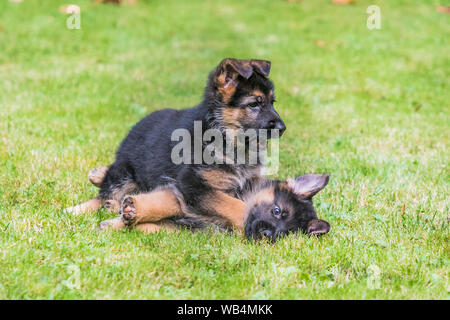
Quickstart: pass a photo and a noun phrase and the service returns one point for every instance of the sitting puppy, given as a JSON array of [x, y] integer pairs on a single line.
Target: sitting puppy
[[238, 97], [273, 208]]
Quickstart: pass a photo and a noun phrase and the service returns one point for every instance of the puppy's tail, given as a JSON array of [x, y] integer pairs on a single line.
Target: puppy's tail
[[97, 175]]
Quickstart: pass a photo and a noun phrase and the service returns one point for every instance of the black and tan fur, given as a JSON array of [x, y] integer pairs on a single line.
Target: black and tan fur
[[238, 95], [269, 209]]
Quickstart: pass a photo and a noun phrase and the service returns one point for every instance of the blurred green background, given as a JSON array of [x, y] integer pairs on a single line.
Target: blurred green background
[[371, 107]]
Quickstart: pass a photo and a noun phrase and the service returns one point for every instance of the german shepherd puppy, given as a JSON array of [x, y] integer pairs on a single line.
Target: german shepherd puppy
[[273, 209], [143, 180]]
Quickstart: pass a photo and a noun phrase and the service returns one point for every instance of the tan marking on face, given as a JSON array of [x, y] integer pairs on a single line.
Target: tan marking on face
[[283, 185], [263, 196], [247, 100], [231, 209], [258, 93], [226, 90], [232, 117], [287, 206], [155, 206]]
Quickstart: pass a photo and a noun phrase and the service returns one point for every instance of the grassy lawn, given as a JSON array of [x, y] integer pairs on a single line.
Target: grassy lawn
[[369, 107]]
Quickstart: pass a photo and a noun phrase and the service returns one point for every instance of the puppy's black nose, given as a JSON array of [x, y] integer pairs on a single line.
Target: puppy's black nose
[[280, 126], [277, 124], [266, 233]]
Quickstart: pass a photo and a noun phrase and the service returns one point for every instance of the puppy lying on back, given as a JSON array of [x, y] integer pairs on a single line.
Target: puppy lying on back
[[277, 208], [273, 208]]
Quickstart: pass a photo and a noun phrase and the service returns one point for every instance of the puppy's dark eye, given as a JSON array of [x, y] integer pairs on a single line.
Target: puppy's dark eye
[[276, 211], [253, 105]]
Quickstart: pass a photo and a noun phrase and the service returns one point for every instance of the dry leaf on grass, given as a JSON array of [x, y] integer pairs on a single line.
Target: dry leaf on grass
[[129, 2], [69, 9], [122, 2], [109, 1], [320, 43], [443, 9], [343, 1]]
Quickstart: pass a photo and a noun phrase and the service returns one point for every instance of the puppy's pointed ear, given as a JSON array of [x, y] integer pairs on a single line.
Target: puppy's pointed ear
[[317, 227], [307, 185], [231, 68], [226, 76], [261, 66]]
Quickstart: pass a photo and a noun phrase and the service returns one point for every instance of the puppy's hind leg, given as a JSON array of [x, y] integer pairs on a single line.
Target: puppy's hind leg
[[150, 207], [86, 207]]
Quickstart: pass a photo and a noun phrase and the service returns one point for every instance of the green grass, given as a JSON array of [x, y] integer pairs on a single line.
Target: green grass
[[369, 107]]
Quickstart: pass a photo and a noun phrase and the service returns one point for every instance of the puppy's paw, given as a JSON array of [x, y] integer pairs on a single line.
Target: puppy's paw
[[128, 211]]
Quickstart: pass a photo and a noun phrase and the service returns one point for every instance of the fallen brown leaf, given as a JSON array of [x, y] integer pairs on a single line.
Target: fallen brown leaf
[[320, 43], [69, 9], [109, 1], [130, 2], [403, 209], [443, 9], [343, 1], [417, 106]]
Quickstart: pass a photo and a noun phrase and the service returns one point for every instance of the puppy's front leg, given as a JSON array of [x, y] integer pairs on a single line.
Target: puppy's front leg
[[149, 207], [230, 208]]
